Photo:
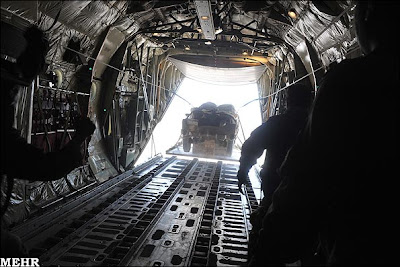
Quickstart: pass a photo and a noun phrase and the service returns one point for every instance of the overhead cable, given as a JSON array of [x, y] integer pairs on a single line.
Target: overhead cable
[[283, 88]]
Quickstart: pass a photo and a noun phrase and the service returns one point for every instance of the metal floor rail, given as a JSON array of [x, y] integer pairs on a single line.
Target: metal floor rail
[[169, 212]]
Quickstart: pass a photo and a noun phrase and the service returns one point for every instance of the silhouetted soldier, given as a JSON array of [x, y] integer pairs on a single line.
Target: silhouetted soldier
[[339, 181], [276, 136], [18, 158]]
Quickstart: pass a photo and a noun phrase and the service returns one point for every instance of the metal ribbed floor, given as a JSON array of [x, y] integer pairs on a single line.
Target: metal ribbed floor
[[167, 212]]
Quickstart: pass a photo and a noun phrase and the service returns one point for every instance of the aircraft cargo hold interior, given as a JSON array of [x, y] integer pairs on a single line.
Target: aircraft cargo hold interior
[[196, 132]]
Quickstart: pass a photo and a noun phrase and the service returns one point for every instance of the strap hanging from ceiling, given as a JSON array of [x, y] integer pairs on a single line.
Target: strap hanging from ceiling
[[56, 18]]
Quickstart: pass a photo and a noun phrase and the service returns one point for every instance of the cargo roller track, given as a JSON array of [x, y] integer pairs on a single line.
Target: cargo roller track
[[166, 212]]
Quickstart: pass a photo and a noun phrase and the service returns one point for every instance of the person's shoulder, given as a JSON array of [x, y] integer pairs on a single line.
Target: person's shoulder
[[273, 120], [266, 124], [345, 73], [266, 127], [346, 67], [361, 65]]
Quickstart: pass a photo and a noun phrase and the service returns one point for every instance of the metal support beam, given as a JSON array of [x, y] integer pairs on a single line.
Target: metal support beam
[[148, 29], [205, 15]]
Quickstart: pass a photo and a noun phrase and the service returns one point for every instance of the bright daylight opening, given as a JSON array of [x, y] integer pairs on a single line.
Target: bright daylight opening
[[168, 131]]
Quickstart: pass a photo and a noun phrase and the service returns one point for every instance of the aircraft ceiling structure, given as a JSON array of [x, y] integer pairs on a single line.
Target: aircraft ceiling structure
[[120, 63]]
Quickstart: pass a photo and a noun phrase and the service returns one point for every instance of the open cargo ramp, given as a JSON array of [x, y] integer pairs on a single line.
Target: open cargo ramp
[[166, 212]]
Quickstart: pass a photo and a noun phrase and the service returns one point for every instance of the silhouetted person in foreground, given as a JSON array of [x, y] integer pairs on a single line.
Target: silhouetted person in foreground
[[18, 158], [276, 136], [339, 181]]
